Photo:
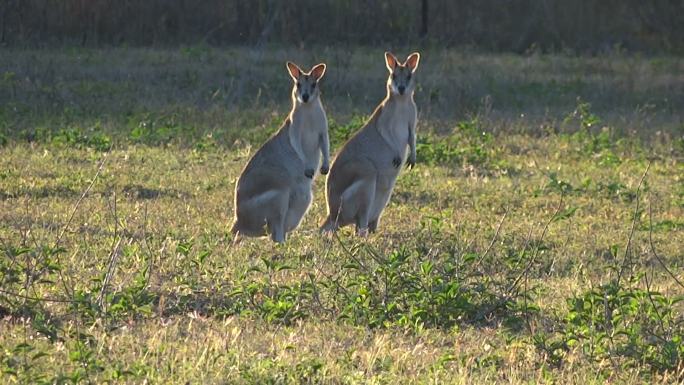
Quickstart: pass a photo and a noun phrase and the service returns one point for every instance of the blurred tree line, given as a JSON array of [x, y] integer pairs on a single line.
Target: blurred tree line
[[493, 25]]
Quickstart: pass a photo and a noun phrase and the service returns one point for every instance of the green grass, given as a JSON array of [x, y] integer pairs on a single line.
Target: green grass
[[504, 257]]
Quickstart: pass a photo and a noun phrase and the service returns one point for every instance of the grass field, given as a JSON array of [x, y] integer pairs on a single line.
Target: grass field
[[539, 240]]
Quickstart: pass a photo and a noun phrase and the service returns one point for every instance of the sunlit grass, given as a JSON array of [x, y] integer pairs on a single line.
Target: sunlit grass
[[533, 205]]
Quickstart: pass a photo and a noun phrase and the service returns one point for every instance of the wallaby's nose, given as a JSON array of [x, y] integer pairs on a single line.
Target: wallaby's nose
[[305, 97], [402, 89]]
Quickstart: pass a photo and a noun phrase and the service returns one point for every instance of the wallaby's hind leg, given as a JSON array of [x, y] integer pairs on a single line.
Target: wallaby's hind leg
[[250, 219], [350, 190], [299, 202], [383, 192], [276, 221], [356, 203], [334, 220]]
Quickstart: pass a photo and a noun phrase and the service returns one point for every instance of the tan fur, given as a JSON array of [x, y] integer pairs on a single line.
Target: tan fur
[[364, 172], [274, 190]]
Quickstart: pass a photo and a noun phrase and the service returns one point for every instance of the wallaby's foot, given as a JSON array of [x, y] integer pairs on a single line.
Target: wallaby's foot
[[372, 226], [396, 162], [278, 237], [362, 233], [278, 233], [309, 173], [411, 162]]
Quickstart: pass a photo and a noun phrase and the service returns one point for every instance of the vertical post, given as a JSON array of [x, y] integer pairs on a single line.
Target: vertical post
[[424, 18]]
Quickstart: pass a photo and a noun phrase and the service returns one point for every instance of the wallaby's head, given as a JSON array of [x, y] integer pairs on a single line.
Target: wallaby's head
[[401, 79], [305, 83]]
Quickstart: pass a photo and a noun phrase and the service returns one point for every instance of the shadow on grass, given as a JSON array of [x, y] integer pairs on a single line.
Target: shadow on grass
[[137, 191], [40, 193]]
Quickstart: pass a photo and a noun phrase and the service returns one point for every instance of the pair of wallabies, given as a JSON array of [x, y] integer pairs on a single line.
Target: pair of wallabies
[[274, 190]]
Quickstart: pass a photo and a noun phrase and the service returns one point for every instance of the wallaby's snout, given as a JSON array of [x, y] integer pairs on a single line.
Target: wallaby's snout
[[401, 74], [305, 87]]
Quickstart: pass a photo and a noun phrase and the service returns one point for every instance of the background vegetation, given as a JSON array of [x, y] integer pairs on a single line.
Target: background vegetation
[[591, 26]]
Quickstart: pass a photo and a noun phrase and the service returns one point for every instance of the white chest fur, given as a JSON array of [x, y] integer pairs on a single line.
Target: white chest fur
[[394, 122], [307, 123]]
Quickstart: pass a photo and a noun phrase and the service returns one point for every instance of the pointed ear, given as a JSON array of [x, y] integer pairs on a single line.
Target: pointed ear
[[391, 61], [293, 70], [413, 60], [318, 71]]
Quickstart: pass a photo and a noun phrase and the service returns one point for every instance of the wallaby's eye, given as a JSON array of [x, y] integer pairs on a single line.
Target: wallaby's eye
[[408, 77], [394, 76], [299, 84], [313, 86]]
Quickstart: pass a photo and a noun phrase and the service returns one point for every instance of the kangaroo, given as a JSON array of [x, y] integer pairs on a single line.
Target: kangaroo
[[363, 174], [274, 190]]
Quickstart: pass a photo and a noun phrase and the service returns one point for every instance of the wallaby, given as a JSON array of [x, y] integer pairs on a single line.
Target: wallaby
[[363, 174], [274, 190]]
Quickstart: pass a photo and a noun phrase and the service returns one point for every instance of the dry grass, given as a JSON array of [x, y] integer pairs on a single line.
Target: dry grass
[[167, 202]]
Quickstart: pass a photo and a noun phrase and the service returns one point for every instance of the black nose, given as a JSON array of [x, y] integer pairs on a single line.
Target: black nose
[[305, 97], [402, 89]]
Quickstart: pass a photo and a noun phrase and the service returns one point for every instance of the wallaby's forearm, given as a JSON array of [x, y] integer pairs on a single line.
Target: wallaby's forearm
[[325, 151], [412, 145]]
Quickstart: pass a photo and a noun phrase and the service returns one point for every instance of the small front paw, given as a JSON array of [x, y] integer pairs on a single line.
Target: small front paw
[[396, 162], [324, 169], [309, 173]]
